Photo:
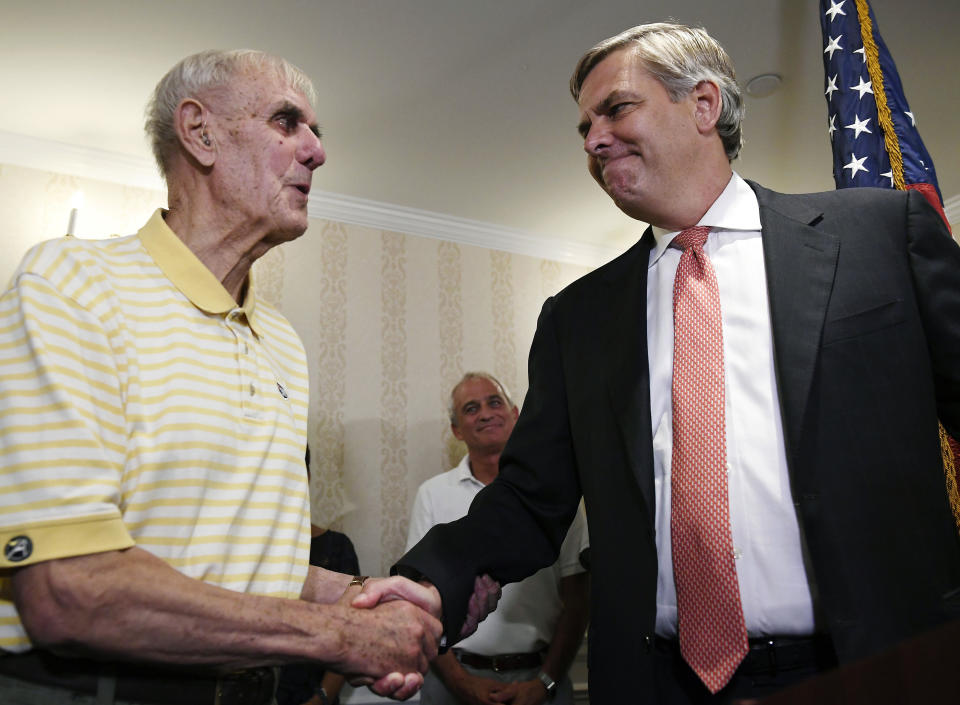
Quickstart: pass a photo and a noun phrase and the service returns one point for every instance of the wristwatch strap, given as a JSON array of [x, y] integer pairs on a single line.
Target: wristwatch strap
[[549, 684]]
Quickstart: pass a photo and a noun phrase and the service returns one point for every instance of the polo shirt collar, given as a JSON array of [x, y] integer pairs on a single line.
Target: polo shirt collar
[[191, 276], [464, 473]]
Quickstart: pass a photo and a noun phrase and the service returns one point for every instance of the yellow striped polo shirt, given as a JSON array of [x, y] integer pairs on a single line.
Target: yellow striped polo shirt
[[139, 405]]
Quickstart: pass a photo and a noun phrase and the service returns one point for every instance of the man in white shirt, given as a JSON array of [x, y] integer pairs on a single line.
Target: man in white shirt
[[805, 522], [522, 651]]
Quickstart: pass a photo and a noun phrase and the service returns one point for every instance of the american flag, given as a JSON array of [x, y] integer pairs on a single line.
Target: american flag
[[859, 75], [874, 135]]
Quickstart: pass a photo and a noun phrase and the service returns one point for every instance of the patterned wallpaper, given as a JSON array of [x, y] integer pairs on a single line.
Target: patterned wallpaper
[[330, 360], [390, 322], [450, 340]]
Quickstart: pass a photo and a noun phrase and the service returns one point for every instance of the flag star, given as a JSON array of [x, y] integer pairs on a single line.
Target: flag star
[[835, 10], [913, 123], [832, 127], [859, 126], [863, 52], [889, 175], [831, 86], [855, 164], [863, 87], [833, 45]]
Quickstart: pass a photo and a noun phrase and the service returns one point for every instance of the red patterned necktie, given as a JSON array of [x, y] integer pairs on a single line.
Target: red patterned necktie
[[712, 633]]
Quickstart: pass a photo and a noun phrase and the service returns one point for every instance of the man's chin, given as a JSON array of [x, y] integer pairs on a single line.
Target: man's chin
[[618, 186], [291, 229]]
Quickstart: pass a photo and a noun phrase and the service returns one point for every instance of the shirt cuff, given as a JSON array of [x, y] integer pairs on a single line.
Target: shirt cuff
[[62, 538]]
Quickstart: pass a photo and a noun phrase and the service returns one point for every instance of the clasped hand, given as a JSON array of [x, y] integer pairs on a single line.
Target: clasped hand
[[406, 605]]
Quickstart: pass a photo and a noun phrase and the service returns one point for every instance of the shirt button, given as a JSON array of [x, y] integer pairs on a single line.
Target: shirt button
[[253, 390], [737, 554]]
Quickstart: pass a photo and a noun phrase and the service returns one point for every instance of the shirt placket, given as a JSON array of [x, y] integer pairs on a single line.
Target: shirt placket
[[246, 348]]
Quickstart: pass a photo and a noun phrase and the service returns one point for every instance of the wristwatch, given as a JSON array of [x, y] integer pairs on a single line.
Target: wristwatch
[[549, 684]]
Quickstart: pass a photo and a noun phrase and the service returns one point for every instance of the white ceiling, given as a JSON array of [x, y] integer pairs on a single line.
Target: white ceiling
[[460, 107]]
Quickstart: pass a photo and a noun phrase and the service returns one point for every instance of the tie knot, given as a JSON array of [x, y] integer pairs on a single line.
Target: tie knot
[[691, 237]]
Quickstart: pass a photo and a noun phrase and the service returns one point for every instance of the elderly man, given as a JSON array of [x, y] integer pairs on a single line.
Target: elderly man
[[152, 427], [747, 400], [522, 652]]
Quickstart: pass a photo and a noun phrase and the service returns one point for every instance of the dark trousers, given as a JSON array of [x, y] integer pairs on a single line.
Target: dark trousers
[[768, 668]]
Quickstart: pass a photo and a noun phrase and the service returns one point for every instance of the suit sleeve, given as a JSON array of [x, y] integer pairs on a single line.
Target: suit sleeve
[[516, 524], [935, 265]]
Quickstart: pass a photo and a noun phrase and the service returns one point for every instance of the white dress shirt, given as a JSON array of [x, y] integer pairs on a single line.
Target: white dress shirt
[[774, 590]]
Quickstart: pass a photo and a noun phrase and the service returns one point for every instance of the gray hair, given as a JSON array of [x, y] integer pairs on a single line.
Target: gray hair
[[679, 57], [195, 76], [451, 404]]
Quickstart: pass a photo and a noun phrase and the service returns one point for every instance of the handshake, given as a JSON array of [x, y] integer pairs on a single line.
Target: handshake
[[393, 628]]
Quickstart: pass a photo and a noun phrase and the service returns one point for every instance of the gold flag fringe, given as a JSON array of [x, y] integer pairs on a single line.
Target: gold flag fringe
[[950, 470], [872, 55], [879, 93]]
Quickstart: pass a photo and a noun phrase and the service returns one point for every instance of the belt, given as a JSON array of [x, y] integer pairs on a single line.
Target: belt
[[771, 654], [500, 662], [150, 685]]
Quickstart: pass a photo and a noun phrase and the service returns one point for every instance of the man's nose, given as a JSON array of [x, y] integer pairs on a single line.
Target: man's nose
[[597, 138], [313, 153]]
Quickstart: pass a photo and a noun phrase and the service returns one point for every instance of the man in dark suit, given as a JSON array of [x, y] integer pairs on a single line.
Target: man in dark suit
[[823, 532]]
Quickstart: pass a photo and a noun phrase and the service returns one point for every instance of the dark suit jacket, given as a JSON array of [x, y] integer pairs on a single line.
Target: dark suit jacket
[[864, 290]]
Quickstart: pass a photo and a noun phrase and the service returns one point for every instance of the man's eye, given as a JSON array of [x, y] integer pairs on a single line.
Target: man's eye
[[287, 122]]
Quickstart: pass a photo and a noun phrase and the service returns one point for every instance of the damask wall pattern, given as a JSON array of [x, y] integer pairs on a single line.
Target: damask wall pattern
[[393, 410], [328, 362], [450, 339], [391, 321], [550, 278], [268, 272], [504, 333]]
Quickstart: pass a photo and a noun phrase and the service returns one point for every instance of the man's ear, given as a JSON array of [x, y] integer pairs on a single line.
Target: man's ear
[[456, 432], [190, 122], [707, 105], [516, 412]]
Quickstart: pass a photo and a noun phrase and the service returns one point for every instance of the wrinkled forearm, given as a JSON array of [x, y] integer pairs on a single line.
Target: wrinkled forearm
[[133, 606]]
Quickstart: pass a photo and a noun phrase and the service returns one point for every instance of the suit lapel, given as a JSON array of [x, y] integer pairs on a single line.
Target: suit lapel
[[623, 353], [801, 262]]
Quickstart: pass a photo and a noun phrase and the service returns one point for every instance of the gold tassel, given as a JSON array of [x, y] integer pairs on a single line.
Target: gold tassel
[[883, 110], [950, 470], [896, 167]]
